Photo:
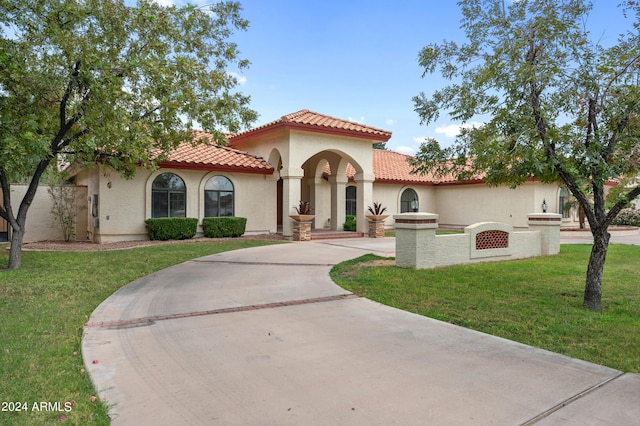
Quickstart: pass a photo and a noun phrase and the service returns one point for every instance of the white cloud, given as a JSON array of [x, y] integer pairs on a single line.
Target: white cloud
[[453, 130], [405, 150], [390, 122], [355, 120], [241, 78], [420, 139]]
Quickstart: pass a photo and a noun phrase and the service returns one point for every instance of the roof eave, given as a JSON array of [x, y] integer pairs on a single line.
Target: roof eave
[[214, 167], [309, 128]]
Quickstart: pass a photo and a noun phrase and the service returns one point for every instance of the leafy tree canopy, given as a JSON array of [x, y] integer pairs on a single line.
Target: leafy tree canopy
[[101, 80], [558, 106]]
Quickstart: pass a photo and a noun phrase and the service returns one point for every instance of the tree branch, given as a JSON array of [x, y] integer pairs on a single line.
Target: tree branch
[[67, 94]]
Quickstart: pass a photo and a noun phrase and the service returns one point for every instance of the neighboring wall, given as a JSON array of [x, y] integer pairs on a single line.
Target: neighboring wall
[[459, 205], [39, 225], [124, 205]]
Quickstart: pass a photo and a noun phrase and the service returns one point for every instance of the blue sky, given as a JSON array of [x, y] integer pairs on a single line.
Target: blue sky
[[357, 60]]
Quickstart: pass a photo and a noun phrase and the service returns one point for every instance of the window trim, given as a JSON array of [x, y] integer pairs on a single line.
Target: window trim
[[167, 192], [408, 203], [219, 191]]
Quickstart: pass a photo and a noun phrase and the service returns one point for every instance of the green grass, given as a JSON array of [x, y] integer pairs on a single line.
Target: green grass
[[43, 307], [536, 301]]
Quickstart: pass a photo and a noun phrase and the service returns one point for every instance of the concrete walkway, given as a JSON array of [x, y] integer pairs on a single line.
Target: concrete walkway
[[262, 336]]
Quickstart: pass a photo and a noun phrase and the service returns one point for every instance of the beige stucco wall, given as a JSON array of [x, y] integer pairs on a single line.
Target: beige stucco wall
[[460, 205], [39, 226], [390, 195], [125, 204]]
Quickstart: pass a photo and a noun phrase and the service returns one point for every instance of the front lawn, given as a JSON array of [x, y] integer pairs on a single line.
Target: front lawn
[[535, 301], [43, 307]]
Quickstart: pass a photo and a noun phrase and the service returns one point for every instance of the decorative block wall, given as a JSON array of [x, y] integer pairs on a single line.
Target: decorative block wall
[[417, 245]]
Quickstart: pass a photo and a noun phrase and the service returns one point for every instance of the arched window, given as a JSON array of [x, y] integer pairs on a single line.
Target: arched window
[[218, 197], [168, 196], [563, 203], [409, 201], [350, 197]]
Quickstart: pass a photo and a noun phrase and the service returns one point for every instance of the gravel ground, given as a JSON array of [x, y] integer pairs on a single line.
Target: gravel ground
[[89, 246]]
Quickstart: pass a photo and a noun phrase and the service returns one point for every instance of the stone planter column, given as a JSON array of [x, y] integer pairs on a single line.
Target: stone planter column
[[548, 224], [302, 227], [376, 225], [416, 240]]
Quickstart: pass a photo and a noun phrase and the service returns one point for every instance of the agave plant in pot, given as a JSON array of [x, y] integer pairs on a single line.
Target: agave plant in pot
[[376, 220], [303, 210], [302, 221], [377, 212]]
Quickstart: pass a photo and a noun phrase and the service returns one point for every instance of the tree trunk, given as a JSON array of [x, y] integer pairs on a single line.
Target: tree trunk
[[15, 253], [593, 285]]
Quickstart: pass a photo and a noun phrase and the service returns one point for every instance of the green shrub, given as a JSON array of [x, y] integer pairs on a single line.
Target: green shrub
[[171, 228], [224, 227], [349, 223], [630, 217]]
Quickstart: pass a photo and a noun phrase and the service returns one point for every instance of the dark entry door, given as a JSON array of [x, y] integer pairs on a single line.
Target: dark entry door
[[4, 230]]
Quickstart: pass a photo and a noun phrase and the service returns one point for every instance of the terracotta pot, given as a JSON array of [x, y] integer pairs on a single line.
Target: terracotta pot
[[377, 217], [302, 217]]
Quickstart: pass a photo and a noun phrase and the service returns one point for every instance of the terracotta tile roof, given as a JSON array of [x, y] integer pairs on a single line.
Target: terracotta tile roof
[[207, 155], [315, 122], [394, 167], [391, 167]]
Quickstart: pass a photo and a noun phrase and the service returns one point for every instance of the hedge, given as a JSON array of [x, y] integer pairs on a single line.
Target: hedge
[[224, 227], [171, 228], [349, 223]]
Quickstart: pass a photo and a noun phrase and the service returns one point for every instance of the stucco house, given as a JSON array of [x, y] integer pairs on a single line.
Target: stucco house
[[264, 172]]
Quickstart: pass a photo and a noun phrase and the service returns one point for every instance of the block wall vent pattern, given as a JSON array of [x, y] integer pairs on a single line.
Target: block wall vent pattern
[[492, 240]]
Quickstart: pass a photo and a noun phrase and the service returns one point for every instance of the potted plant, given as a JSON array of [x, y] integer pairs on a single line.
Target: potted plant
[[377, 212], [303, 210], [302, 221], [376, 220]]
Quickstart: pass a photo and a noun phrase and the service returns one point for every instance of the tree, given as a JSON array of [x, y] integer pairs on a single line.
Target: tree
[[559, 106], [103, 81]]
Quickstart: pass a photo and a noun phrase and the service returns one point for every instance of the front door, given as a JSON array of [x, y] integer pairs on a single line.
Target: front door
[[4, 228]]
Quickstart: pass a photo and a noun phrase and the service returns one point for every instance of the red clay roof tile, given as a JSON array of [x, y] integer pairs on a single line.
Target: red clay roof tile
[[315, 122], [207, 155]]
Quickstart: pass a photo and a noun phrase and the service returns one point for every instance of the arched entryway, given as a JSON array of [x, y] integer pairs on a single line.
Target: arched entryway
[[333, 183], [300, 146]]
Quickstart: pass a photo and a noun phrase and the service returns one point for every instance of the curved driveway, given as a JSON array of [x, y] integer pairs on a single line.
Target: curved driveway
[[262, 336]]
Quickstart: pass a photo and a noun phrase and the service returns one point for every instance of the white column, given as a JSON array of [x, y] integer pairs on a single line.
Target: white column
[[291, 178], [338, 201], [548, 224], [364, 195], [416, 240]]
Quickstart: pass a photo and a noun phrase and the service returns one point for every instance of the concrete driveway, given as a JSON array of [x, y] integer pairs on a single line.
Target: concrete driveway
[[262, 336]]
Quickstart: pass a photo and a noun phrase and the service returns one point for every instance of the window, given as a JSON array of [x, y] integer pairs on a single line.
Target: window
[[408, 201], [218, 197], [563, 203], [350, 207], [168, 196]]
